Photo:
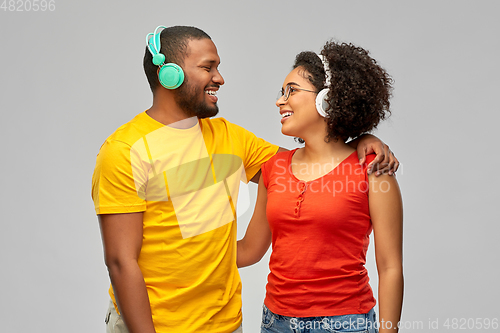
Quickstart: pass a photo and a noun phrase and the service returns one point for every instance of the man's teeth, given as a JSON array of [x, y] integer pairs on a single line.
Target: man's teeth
[[286, 114], [211, 92]]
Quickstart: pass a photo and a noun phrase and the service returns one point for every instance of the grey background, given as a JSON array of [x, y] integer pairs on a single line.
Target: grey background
[[70, 77]]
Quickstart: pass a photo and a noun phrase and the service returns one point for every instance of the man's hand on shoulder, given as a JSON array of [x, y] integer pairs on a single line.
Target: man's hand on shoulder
[[385, 162]]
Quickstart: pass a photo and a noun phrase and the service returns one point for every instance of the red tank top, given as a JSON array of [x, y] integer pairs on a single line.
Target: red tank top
[[320, 235]]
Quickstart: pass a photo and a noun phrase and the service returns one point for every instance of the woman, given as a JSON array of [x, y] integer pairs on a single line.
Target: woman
[[318, 206]]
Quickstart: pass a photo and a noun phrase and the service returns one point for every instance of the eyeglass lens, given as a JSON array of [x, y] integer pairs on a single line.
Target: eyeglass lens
[[284, 92]]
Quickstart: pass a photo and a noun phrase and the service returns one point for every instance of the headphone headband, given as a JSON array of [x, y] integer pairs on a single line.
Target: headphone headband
[[321, 103], [170, 75], [326, 66]]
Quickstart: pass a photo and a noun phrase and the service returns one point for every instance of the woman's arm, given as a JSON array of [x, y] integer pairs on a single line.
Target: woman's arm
[[386, 211], [258, 235]]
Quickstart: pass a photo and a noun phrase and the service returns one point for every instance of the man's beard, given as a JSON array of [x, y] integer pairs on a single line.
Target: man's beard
[[188, 98]]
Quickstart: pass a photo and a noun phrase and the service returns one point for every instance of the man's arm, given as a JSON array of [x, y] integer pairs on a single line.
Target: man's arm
[[385, 162], [122, 241]]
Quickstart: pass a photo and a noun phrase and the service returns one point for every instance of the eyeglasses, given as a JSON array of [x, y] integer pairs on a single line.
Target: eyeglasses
[[288, 90]]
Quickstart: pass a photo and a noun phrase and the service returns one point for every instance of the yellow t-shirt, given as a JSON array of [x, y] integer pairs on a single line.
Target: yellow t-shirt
[[186, 182]]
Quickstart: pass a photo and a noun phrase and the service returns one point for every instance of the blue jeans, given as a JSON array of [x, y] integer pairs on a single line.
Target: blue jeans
[[359, 323]]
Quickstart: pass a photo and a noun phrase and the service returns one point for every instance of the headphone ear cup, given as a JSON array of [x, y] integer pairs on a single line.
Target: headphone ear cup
[[321, 103], [158, 59], [171, 76]]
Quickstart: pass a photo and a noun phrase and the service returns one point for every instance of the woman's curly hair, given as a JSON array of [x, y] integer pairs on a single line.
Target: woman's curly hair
[[359, 88]]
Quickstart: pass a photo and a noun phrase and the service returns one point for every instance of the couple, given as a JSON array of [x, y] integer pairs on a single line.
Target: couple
[[165, 186]]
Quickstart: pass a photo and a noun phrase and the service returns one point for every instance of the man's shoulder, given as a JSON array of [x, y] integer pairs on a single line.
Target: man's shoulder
[[133, 130], [218, 121], [220, 125]]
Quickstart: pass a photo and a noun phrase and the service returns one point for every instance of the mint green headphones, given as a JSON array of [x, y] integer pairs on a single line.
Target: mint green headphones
[[170, 75]]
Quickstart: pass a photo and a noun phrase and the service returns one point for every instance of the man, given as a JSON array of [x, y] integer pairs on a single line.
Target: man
[[165, 188]]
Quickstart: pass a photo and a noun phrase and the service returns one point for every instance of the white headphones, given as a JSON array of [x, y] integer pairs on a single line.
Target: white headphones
[[321, 103]]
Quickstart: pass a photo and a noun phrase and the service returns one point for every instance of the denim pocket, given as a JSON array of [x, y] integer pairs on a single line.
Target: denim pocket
[[356, 323], [347, 330], [267, 317]]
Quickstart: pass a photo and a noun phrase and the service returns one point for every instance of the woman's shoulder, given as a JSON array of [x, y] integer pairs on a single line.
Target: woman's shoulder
[[370, 158], [279, 160], [282, 155]]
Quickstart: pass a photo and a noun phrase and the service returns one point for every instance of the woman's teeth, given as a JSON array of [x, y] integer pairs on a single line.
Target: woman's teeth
[[286, 114]]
